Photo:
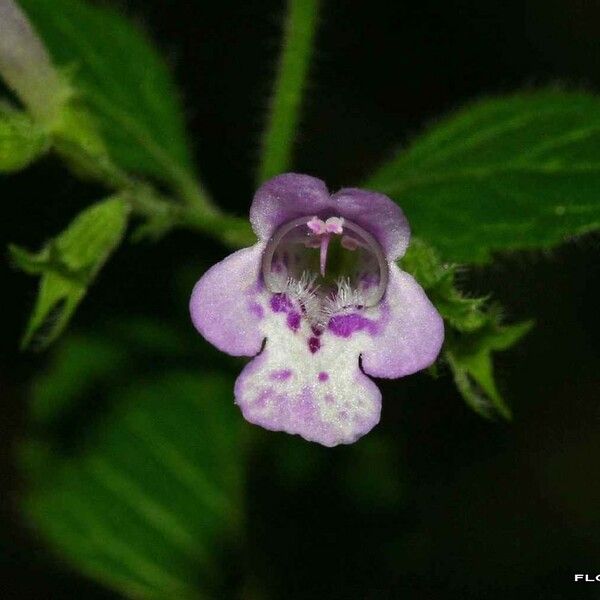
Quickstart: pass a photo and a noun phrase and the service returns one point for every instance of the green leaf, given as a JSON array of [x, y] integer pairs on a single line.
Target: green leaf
[[151, 494], [372, 475], [77, 367], [21, 140], [470, 358], [439, 280], [68, 264], [123, 80], [81, 365], [77, 138], [516, 172], [474, 330]]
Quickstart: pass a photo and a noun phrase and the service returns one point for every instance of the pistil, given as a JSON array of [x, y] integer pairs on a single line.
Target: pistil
[[323, 256]]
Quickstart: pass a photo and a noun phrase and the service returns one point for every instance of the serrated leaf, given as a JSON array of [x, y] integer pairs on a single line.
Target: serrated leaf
[[21, 140], [509, 173], [438, 278], [470, 358], [474, 329], [69, 264], [123, 80], [148, 502]]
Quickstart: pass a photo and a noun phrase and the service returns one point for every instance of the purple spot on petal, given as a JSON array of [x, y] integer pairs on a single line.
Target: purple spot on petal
[[346, 325], [323, 376], [281, 375], [281, 303], [293, 321], [329, 398], [314, 344], [317, 330], [305, 407], [256, 309], [261, 401]]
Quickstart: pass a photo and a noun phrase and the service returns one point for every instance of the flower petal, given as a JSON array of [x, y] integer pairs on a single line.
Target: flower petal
[[322, 396], [378, 215], [284, 198], [409, 334], [292, 195], [224, 304]]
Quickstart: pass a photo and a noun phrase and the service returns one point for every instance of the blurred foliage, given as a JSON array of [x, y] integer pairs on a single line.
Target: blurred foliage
[[373, 475], [369, 473], [474, 329], [507, 173], [68, 264], [123, 80], [75, 137], [135, 473], [21, 140]]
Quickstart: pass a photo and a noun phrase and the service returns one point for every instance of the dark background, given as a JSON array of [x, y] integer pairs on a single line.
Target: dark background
[[473, 509]]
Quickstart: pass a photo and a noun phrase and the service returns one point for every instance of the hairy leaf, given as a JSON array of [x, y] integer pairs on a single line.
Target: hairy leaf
[[439, 279], [68, 264], [124, 81], [469, 355], [508, 173], [474, 330], [151, 493], [21, 140]]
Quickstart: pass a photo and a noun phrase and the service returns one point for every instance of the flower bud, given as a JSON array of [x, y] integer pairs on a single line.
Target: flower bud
[[26, 67]]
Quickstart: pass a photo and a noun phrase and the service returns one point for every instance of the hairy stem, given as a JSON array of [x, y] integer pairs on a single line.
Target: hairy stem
[[147, 203], [289, 84]]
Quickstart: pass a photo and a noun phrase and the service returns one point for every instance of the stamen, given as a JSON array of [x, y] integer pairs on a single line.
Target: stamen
[[346, 261], [316, 226], [335, 225], [350, 243]]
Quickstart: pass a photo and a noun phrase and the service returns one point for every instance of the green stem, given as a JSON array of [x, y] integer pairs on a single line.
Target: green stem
[[147, 203], [289, 84], [187, 187], [232, 231]]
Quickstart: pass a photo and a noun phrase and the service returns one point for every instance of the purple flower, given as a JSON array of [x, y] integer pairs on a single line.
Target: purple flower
[[319, 292]]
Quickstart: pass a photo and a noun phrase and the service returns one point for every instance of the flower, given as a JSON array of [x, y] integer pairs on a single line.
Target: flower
[[317, 297]]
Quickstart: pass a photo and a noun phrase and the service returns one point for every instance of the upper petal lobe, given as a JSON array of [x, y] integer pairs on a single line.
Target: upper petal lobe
[[378, 215], [292, 195], [284, 198]]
